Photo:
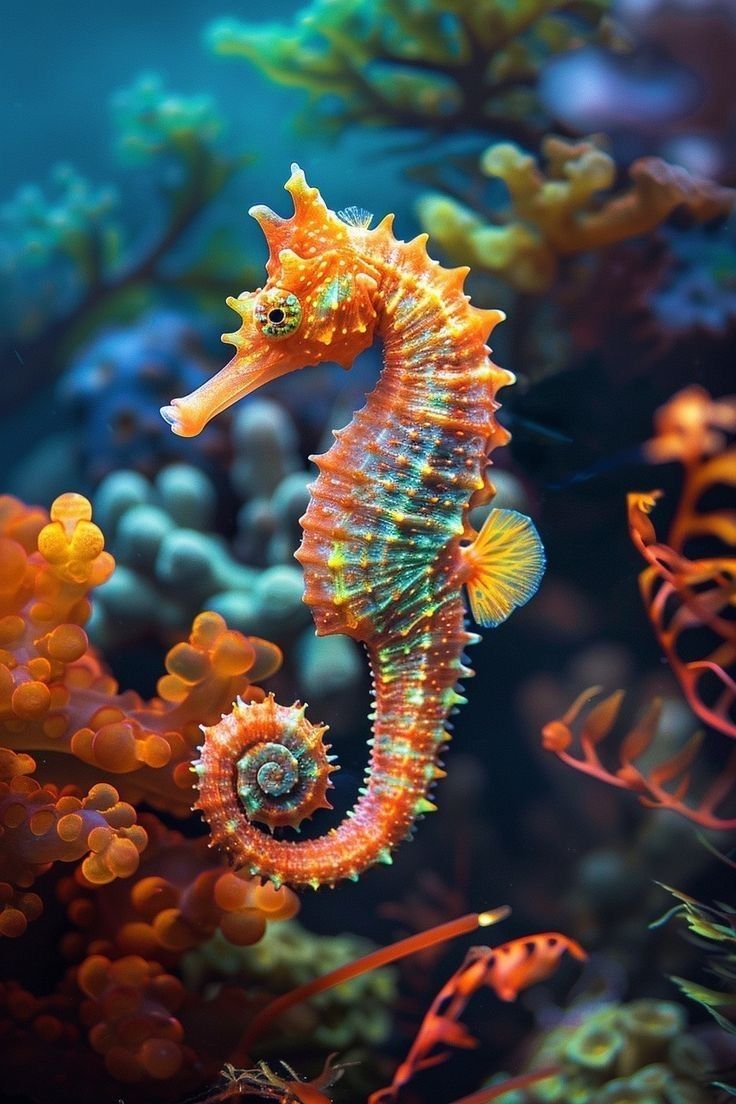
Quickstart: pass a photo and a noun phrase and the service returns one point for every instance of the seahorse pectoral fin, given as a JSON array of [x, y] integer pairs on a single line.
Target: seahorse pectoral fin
[[504, 564]]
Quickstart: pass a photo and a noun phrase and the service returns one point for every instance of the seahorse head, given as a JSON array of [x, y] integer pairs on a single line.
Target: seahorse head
[[317, 304]]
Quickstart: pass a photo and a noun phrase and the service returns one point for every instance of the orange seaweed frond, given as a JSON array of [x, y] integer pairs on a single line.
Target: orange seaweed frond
[[665, 784], [373, 961], [507, 970], [689, 585]]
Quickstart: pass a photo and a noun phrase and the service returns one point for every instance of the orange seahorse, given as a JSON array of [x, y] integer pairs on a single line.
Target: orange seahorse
[[387, 544]]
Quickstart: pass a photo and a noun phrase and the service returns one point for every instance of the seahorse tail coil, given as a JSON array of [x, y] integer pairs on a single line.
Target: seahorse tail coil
[[246, 772], [264, 763]]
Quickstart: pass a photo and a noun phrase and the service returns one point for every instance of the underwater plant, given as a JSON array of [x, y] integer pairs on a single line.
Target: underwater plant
[[69, 262], [471, 64], [684, 598], [714, 929], [388, 544], [649, 781], [684, 594], [507, 969]]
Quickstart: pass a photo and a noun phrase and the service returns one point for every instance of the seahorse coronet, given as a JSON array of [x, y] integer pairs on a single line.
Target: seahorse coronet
[[264, 762]]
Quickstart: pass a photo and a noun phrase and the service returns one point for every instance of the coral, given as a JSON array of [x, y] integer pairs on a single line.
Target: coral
[[688, 585], [557, 212], [179, 898], [433, 65], [68, 260], [173, 562], [132, 1005], [58, 701], [506, 969], [698, 292], [354, 1015], [683, 597], [47, 824], [648, 781], [635, 1053], [130, 939], [115, 385]]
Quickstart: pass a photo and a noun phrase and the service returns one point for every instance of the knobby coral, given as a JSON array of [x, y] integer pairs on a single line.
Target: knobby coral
[[58, 702], [569, 207], [635, 1053]]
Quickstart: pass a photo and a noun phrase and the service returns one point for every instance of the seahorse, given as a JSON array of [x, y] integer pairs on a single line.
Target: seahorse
[[387, 543]]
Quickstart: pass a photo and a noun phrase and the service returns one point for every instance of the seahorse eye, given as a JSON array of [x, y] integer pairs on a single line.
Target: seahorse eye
[[278, 313]]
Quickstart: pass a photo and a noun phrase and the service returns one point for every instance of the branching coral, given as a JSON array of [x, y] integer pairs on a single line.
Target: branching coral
[[56, 699], [506, 969], [689, 584], [65, 256], [684, 597], [431, 65], [650, 780], [560, 211]]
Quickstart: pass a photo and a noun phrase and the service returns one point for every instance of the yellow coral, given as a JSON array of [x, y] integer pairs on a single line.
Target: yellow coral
[[559, 211]]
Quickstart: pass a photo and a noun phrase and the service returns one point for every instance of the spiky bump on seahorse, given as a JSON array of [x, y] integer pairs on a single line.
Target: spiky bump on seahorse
[[387, 544]]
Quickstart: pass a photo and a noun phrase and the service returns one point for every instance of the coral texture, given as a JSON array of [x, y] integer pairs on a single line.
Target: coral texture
[[58, 702], [620, 1054], [472, 63], [563, 209], [67, 257]]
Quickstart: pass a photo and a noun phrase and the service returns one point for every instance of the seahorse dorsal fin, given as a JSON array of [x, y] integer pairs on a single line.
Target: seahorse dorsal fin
[[505, 564], [356, 216]]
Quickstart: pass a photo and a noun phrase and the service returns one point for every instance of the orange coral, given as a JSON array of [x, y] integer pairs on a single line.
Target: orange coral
[[179, 897], [648, 782], [686, 592], [57, 699], [688, 587], [43, 824], [506, 969]]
